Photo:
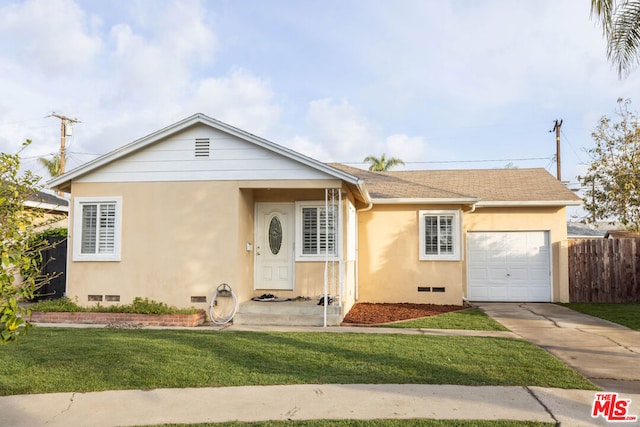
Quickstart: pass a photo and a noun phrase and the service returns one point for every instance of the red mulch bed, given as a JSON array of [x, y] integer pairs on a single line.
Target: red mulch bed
[[366, 313]]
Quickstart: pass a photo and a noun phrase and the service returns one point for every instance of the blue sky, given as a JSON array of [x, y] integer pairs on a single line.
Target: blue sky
[[440, 84]]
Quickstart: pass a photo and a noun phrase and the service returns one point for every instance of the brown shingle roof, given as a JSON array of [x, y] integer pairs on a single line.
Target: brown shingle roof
[[487, 185]]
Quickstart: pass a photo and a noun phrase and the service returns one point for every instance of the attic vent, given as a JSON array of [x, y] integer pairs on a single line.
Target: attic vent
[[202, 147]]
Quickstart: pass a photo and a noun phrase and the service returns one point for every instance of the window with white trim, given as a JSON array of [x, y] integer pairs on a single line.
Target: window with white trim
[[439, 235], [96, 228], [316, 231]]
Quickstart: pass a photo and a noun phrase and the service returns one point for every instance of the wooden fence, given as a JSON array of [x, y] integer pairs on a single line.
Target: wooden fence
[[604, 270]]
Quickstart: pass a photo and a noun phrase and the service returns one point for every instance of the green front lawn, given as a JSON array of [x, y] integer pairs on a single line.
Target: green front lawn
[[626, 314], [82, 360], [374, 423], [472, 319]]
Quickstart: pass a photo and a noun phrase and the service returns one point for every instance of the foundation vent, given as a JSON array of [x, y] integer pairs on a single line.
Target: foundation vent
[[437, 289], [94, 297], [202, 147], [424, 289], [198, 299], [112, 298]]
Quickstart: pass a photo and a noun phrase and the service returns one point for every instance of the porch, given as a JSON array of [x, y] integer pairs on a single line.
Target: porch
[[287, 313]]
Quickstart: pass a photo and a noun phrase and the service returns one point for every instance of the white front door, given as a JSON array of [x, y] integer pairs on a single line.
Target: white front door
[[274, 246]]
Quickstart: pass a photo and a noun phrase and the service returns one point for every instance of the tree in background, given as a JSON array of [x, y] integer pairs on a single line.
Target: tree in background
[[52, 165], [620, 20], [382, 164], [612, 181], [19, 249]]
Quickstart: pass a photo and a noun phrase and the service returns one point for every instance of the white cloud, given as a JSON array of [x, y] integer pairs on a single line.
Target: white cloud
[[341, 129], [240, 99], [341, 132], [305, 145], [51, 35], [407, 148]]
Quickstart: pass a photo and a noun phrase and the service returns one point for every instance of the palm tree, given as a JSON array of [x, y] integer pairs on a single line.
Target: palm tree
[[620, 22], [382, 164], [52, 165]]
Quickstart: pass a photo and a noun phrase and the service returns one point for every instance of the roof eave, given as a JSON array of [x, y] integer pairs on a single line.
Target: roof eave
[[423, 201], [528, 203], [46, 206]]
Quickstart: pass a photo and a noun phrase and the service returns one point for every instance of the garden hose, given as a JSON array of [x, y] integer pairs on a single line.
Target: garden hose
[[222, 291]]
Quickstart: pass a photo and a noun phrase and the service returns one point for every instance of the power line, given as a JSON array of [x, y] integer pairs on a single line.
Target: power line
[[463, 161], [571, 146]]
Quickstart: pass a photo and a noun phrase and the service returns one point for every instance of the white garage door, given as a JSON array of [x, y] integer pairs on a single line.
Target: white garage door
[[509, 266]]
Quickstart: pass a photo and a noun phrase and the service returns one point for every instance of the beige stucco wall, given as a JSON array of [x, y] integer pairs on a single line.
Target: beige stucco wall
[[389, 265], [176, 243], [389, 269], [182, 239]]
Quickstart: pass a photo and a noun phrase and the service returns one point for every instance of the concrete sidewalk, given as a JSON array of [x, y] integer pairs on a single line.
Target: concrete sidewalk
[[606, 353], [302, 402]]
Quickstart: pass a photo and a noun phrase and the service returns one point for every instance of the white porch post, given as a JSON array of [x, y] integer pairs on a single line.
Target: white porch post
[[326, 253]]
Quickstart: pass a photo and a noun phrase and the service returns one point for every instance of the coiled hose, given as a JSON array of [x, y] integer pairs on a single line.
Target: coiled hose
[[222, 291]]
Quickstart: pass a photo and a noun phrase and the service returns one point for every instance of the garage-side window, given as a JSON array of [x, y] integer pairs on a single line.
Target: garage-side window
[[439, 235], [96, 229]]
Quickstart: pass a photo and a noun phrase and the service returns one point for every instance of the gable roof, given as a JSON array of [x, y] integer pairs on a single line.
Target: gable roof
[[483, 187], [63, 182]]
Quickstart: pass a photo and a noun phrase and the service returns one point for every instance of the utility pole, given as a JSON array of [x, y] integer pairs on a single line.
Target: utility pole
[[63, 135], [556, 128]]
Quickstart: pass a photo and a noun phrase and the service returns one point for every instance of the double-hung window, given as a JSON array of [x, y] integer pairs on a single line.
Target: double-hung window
[[96, 229], [439, 235], [316, 231]]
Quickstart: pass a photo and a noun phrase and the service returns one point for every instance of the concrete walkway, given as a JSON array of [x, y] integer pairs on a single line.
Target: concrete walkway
[[606, 353], [303, 402]]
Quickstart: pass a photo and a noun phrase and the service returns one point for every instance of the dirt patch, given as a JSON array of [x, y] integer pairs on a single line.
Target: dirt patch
[[366, 313]]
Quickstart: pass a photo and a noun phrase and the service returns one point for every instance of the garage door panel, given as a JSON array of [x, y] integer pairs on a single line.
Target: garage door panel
[[518, 274], [508, 266], [539, 275], [497, 274], [518, 294], [479, 274]]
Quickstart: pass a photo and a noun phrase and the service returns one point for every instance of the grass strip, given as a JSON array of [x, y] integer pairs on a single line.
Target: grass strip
[[472, 319], [51, 360], [374, 423], [626, 314]]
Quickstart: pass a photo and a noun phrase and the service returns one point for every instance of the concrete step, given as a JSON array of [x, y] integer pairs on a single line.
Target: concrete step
[[288, 313]]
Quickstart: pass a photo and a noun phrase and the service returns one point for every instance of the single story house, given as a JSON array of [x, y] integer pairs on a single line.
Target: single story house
[[176, 213]]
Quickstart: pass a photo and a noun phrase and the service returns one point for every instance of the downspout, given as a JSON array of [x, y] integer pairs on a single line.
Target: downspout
[[465, 300]]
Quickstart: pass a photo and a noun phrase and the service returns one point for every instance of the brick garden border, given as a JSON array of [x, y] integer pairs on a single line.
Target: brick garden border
[[188, 320]]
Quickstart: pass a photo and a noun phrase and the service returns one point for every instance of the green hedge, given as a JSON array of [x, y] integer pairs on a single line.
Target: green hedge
[[138, 306]]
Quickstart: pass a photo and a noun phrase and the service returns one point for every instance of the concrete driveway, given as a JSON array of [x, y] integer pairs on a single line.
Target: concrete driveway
[[606, 353]]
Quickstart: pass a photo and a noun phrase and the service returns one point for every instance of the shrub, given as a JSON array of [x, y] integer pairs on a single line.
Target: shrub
[[138, 306], [63, 304]]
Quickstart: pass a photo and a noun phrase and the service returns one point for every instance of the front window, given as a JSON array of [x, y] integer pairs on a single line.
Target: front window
[[316, 231], [96, 235], [439, 235]]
